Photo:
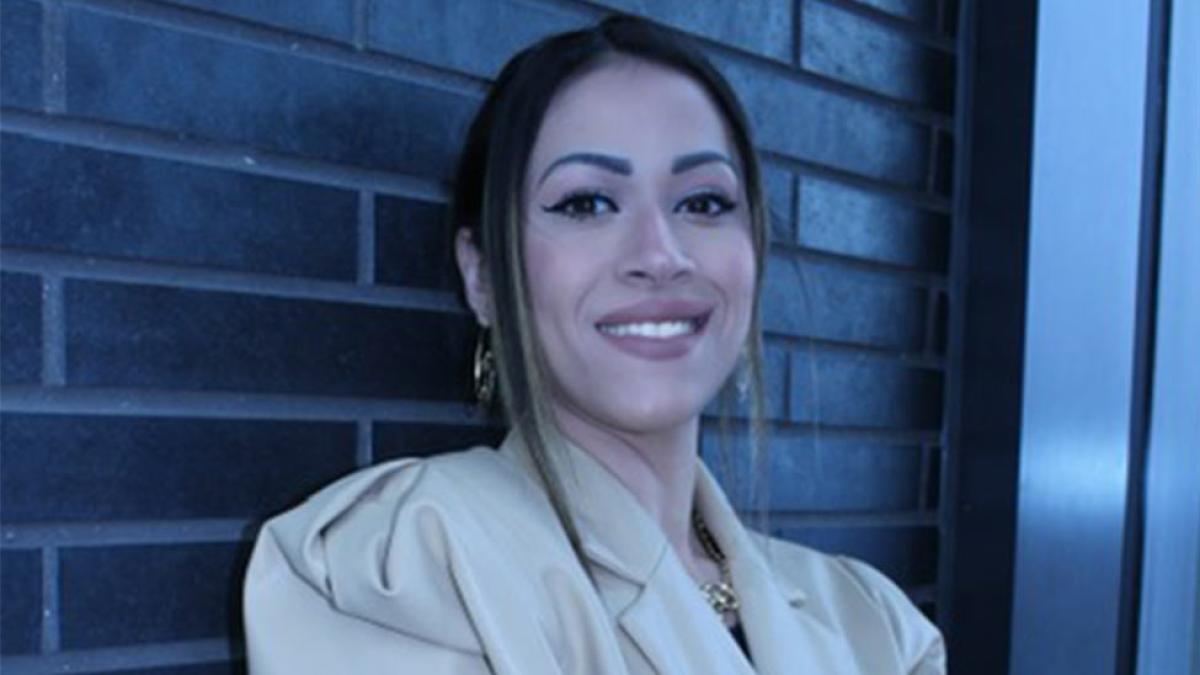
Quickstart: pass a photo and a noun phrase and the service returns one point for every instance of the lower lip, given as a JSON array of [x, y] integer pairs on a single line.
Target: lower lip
[[655, 349]]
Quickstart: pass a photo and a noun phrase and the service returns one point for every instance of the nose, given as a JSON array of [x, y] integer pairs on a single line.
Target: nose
[[654, 254]]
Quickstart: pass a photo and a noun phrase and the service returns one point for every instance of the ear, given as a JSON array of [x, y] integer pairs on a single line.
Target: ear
[[474, 275]]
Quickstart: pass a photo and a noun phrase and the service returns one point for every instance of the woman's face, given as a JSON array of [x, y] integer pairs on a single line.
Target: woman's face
[[638, 247]]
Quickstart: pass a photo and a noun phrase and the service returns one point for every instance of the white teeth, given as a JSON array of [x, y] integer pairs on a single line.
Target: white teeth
[[659, 329]]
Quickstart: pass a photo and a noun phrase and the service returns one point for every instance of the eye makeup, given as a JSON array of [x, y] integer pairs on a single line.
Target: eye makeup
[[709, 203], [582, 204]]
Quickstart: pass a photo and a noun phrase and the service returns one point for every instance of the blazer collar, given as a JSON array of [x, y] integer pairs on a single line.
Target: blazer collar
[[661, 609], [746, 551], [618, 535], [783, 636], [634, 549]]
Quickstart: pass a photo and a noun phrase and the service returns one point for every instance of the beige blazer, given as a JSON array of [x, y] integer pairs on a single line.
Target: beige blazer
[[456, 564]]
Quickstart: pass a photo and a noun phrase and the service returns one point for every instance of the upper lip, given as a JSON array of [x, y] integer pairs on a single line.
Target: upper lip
[[656, 310]]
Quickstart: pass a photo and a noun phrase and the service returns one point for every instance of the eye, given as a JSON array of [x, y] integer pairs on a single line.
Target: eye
[[582, 205], [710, 204]]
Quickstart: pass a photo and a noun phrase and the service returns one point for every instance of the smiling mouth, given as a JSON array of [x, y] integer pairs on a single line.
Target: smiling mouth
[[664, 329]]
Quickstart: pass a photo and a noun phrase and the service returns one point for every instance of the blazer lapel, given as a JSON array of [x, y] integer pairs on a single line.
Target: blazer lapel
[[677, 631], [784, 638], [656, 603], [652, 597]]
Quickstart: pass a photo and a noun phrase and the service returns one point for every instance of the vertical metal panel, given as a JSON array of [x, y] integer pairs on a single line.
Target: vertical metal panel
[[1080, 335], [994, 137], [1170, 617]]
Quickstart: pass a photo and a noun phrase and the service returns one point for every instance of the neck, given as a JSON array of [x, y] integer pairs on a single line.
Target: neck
[[659, 468]]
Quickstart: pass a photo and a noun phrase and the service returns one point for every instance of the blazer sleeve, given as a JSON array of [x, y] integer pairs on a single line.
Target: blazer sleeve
[[919, 641], [353, 581]]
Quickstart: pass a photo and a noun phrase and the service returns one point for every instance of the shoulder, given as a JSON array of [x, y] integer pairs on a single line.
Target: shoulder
[[864, 602], [385, 544]]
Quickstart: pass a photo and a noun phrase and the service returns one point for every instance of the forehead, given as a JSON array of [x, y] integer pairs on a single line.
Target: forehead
[[633, 108]]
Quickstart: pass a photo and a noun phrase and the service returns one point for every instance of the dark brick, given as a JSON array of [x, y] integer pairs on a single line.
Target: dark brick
[[477, 37], [827, 301], [395, 440], [160, 593], [21, 65], [933, 479], [908, 555], [817, 474], [808, 474], [848, 221], [848, 47], [65, 198], [20, 327], [943, 174], [412, 244], [808, 123], [848, 391], [941, 319], [21, 597], [216, 668], [764, 27], [331, 19], [922, 12], [77, 468], [775, 380], [778, 185], [145, 336], [187, 85]]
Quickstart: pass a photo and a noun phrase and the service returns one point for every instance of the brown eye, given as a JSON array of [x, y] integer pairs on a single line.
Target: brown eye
[[708, 204], [582, 205]]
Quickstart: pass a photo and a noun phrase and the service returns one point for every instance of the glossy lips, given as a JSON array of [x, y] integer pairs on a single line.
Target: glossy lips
[[656, 329]]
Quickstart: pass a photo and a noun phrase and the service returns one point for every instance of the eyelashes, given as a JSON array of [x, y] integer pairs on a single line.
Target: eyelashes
[[711, 204], [584, 205]]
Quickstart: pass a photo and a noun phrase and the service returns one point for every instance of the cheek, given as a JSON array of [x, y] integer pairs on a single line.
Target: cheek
[[556, 272]]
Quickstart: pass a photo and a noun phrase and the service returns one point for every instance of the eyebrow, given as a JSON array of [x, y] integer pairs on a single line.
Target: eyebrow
[[622, 166], [607, 162], [695, 159]]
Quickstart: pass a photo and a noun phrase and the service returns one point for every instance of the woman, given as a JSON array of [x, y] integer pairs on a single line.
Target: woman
[[611, 245]]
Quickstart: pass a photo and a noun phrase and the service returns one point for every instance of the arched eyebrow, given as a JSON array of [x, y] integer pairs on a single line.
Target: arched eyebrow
[[622, 166], [690, 161], [618, 165]]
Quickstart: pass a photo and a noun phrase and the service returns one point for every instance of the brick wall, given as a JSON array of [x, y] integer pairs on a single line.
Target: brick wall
[[224, 282]]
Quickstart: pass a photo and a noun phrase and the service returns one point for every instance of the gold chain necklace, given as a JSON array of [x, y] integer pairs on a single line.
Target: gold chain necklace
[[719, 594]]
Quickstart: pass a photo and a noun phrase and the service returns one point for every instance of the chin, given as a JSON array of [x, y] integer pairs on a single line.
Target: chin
[[637, 402], [654, 414]]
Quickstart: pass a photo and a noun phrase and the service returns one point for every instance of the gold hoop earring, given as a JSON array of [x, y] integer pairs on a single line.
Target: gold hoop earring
[[484, 370]]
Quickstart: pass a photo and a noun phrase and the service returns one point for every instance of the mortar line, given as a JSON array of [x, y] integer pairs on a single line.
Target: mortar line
[[106, 659], [156, 144], [54, 348], [798, 34], [366, 238], [365, 444], [54, 57], [125, 402], [362, 14], [223, 281], [923, 483], [51, 634]]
